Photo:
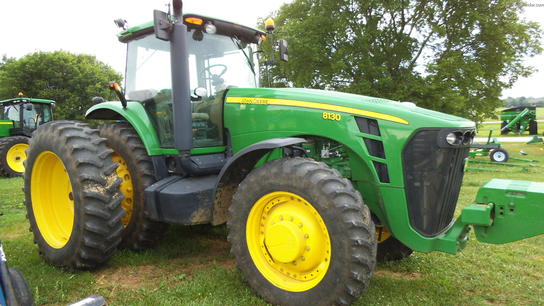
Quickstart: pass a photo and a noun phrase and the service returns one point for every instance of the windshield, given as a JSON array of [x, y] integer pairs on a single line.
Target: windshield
[[10, 112], [36, 115], [216, 63]]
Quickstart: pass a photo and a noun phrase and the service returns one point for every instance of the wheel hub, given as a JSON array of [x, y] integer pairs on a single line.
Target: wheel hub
[[284, 241]]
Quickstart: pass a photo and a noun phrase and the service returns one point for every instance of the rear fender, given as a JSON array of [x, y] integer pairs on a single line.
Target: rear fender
[[134, 114]]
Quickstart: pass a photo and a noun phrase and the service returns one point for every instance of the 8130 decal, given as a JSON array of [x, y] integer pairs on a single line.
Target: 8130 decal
[[331, 116]]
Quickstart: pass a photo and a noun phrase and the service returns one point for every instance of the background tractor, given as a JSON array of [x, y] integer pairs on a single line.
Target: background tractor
[[518, 120], [314, 186], [19, 117]]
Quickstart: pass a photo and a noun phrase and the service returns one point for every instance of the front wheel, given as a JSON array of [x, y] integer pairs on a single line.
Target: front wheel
[[301, 234]]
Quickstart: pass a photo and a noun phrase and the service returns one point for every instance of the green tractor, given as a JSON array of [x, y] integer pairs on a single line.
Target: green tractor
[[314, 186], [19, 117], [518, 120]]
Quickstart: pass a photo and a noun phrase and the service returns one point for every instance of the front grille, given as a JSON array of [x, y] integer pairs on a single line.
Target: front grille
[[433, 174]]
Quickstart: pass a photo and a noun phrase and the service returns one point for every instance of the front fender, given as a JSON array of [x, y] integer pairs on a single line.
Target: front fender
[[134, 114], [237, 168]]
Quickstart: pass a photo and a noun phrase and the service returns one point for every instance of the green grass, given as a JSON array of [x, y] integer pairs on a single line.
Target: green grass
[[192, 265]]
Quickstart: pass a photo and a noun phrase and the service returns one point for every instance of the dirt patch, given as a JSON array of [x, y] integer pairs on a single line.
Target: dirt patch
[[493, 302], [229, 263], [15, 232], [129, 277], [397, 275], [147, 276]]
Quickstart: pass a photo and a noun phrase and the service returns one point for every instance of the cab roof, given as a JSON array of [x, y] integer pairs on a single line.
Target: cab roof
[[227, 28], [26, 100]]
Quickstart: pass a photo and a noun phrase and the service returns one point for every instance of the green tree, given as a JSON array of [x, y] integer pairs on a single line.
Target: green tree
[[4, 60], [451, 56], [70, 79]]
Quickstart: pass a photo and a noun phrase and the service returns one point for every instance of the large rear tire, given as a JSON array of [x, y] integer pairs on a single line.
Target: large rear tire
[[13, 155], [72, 195], [301, 234], [137, 173]]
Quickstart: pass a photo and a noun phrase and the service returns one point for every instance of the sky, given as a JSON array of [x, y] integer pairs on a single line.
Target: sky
[[87, 27]]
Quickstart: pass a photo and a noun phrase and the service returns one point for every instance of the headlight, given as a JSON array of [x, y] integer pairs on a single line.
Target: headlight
[[453, 139], [468, 137], [210, 28]]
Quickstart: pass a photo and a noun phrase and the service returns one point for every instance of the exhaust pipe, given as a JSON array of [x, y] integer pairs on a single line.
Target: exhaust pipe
[[181, 100]]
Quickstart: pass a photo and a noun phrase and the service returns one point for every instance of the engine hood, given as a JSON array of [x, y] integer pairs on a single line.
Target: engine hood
[[400, 112]]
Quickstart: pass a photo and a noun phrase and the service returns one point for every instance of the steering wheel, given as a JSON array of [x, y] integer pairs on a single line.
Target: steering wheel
[[214, 77]]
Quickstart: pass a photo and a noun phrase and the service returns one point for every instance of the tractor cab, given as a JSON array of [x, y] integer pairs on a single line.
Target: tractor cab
[[221, 55], [21, 116]]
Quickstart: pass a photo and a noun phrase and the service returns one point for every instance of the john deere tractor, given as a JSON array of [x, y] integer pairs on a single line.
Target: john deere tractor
[[314, 186], [19, 117]]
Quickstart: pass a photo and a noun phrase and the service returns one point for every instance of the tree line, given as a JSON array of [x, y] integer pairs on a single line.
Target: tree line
[[524, 101], [448, 55], [72, 80]]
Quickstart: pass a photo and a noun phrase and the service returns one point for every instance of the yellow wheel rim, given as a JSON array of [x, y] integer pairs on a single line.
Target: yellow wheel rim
[[126, 188], [288, 241], [382, 234], [16, 156], [52, 199]]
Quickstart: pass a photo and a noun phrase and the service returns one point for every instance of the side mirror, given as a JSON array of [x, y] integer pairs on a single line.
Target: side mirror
[[97, 100], [161, 25], [29, 107], [284, 52]]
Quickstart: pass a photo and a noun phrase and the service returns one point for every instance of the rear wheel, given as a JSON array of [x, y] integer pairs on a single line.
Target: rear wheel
[[390, 248], [301, 234], [498, 155], [13, 155], [505, 131], [72, 195], [533, 127], [137, 173]]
